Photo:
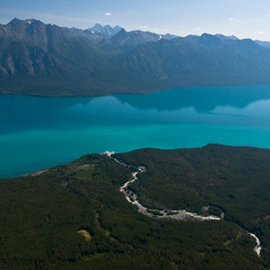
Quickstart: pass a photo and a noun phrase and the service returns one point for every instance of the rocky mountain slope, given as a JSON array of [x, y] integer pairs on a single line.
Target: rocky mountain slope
[[48, 60]]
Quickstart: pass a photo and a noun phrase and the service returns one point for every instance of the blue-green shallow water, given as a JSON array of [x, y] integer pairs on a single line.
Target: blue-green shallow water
[[36, 133]]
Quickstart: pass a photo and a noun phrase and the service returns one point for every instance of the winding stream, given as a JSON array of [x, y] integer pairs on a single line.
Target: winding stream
[[258, 248], [132, 198]]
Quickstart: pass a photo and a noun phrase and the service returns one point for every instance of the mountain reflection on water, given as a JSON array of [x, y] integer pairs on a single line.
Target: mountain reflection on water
[[202, 99], [236, 105], [38, 132]]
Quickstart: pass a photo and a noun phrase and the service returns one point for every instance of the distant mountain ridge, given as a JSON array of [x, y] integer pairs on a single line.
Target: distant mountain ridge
[[106, 30], [48, 60], [126, 41], [265, 44]]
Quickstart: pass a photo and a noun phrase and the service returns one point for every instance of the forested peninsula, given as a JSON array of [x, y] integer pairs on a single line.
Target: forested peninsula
[[76, 216]]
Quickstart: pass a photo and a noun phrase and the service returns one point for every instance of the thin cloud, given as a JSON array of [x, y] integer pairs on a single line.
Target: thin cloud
[[196, 29], [143, 27], [234, 20], [108, 14], [262, 32]]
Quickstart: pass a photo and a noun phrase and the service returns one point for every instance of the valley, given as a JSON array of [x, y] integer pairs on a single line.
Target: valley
[[188, 118]]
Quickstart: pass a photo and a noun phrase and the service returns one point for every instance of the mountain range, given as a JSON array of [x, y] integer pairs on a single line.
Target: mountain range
[[106, 30], [48, 60]]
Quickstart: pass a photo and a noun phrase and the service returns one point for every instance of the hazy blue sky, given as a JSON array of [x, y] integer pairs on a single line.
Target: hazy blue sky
[[242, 18]]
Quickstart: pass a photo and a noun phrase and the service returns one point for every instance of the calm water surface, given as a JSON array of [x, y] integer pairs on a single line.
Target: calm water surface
[[36, 133]]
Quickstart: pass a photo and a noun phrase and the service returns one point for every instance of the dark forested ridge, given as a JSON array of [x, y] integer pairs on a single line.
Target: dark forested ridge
[[48, 60], [74, 216]]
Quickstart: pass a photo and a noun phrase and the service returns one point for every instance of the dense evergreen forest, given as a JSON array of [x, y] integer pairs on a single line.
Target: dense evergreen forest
[[73, 216]]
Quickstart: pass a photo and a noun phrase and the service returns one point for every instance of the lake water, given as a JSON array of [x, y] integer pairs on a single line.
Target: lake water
[[36, 133]]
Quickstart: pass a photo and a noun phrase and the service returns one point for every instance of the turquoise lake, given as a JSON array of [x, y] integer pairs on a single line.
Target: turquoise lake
[[37, 132]]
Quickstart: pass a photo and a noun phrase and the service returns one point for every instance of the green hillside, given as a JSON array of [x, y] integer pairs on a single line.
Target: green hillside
[[74, 216]]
